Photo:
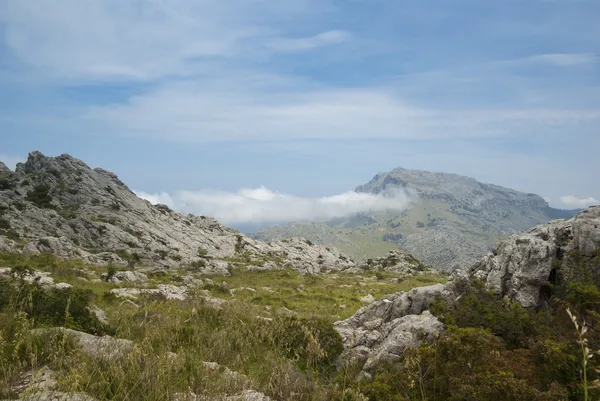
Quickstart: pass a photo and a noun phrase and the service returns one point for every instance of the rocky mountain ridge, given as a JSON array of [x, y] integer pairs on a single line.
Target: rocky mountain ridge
[[60, 205], [451, 222], [525, 268]]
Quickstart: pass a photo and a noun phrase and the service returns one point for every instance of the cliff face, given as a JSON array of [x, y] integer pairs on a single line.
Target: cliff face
[[525, 266], [60, 205]]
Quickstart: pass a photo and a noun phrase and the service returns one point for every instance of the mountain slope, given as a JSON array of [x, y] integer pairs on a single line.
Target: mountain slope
[[452, 221], [62, 206]]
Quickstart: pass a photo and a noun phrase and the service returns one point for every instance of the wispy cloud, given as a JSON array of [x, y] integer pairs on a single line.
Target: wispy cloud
[[575, 202], [301, 44], [261, 205], [564, 59], [196, 112], [112, 40]]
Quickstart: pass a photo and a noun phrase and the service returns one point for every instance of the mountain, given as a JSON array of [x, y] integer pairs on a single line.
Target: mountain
[[62, 206], [451, 222]]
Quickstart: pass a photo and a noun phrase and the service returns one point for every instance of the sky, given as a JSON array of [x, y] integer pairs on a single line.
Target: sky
[[303, 100]]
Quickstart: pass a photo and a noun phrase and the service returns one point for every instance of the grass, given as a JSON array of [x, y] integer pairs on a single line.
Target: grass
[[284, 355], [331, 296]]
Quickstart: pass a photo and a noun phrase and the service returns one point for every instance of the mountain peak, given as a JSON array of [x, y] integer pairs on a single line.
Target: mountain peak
[[4, 168], [60, 205]]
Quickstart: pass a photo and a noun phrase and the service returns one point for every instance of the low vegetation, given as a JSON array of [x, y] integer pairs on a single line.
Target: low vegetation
[[276, 331], [278, 336], [493, 349]]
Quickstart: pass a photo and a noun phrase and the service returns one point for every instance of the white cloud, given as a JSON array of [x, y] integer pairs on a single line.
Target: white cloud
[[575, 202], [301, 44], [564, 59], [11, 160], [263, 107], [114, 40], [261, 205]]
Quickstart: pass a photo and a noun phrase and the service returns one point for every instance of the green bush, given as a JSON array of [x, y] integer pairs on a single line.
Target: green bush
[[312, 342], [50, 306], [40, 196], [481, 308]]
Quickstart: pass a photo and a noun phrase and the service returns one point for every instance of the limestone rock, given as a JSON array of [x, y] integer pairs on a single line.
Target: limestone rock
[[105, 347], [127, 276], [381, 331], [395, 261], [249, 395], [41, 386], [170, 292], [4, 168], [60, 205], [8, 245], [523, 266], [368, 299], [29, 276], [99, 313], [302, 255]]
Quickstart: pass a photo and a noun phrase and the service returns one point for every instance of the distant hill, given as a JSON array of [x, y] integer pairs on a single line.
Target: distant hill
[[452, 221]]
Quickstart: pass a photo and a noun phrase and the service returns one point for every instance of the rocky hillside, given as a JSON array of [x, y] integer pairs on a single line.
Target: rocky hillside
[[451, 222], [550, 261], [60, 205]]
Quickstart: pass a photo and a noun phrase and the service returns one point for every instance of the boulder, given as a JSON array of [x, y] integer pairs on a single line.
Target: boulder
[[105, 347], [381, 331], [170, 292], [127, 276]]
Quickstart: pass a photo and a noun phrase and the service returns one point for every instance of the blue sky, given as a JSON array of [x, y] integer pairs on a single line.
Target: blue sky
[[304, 97]]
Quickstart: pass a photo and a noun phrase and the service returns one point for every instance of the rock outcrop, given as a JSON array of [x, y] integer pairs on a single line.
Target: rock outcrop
[[524, 267], [4, 168], [394, 261], [380, 332], [61, 206], [41, 385], [105, 347]]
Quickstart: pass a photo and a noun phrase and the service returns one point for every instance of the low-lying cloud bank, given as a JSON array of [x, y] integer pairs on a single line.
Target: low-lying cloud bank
[[573, 201], [262, 205]]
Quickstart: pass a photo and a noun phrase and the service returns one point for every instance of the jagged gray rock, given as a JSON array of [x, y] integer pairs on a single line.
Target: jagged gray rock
[[29, 276], [171, 292], [41, 385], [394, 261], [522, 269], [105, 347], [60, 205], [4, 168], [381, 331], [126, 276], [523, 266]]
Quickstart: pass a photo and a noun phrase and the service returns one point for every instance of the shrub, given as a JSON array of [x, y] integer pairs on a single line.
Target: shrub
[[51, 306], [479, 307], [4, 224], [6, 181], [313, 343], [40, 196]]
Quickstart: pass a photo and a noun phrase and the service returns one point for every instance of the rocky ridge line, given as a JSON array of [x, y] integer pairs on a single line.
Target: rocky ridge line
[[60, 205]]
